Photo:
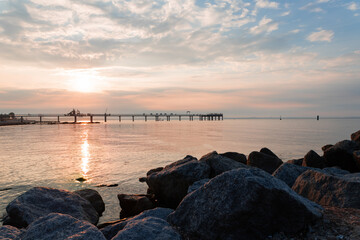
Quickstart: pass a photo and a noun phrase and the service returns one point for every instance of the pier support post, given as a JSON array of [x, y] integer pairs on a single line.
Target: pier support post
[[21, 119], [91, 118], [133, 118], [119, 118], [75, 119], [179, 118], [145, 118], [40, 119], [58, 119]]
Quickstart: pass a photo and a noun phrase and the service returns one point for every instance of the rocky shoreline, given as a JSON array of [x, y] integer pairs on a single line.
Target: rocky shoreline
[[219, 196]]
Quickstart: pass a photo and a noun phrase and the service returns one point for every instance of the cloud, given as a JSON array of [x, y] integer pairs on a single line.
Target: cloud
[[266, 4], [285, 13], [265, 25], [352, 6], [321, 36]]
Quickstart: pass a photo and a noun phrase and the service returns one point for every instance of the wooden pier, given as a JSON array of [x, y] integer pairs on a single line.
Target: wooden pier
[[145, 117]]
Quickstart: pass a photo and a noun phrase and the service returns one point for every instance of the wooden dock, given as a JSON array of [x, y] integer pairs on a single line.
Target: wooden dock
[[133, 117]]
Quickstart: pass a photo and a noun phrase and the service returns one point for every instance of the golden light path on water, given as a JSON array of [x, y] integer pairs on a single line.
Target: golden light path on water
[[85, 154]]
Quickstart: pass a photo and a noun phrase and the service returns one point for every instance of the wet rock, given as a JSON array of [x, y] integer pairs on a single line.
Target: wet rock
[[142, 179], [40, 201], [148, 228], [334, 171], [296, 161], [170, 185], [326, 147], [243, 204], [81, 179], [356, 136], [328, 190], [341, 154], [352, 177], [268, 152], [151, 171], [196, 185], [94, 198], [356, 155], [111, 230], [61, 226], [134, 204], [219, 164], [108, 185], [312, 159], [239, 157], [9, 232], [264, 161]]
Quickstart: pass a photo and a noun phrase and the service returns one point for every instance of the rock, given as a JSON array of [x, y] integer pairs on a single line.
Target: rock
[[341, 154], [9, 232], [61, 226], [326, 147], [40, 201], [94, 198], [81, 179], [312, 159], [356, 136], [268, 152], [108, 185], [356, 156], [134, 204], [264, 161], [170, 185], [197, 185], [111, 230], [239, 157], [142, 179], [243, 204], [219, 164], [290, 172], [328, 190], [296, 161], [151, 171], [148, 228], [354, 177]]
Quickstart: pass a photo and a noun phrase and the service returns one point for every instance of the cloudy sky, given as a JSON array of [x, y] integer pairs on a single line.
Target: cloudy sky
[[244, 58]]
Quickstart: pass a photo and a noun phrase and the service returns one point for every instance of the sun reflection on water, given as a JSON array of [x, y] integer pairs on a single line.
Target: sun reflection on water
[[85, 155]]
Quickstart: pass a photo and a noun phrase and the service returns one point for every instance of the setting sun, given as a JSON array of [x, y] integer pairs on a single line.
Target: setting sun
[[83, 85]]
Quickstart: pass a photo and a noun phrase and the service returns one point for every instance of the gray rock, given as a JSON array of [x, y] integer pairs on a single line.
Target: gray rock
[[326, 147], [239, 157], [355, 177], [328, 190], [220, 164], [111, 230], [148, 228], [170, 185], [94, 198], [133, 204], [296, 161], [40, 201], [290, 172], [341, 154], [312, 159], [356, 136], [268, 152], [197, 185], [243, 204], [264, 161], [9, 232], [151, 171], [61, 226]]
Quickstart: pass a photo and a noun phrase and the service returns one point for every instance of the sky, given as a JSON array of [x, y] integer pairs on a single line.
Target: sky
[[250, 58]]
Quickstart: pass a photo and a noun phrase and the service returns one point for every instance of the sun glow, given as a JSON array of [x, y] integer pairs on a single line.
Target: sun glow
[[84, 85], [84, 81], [85, 155]]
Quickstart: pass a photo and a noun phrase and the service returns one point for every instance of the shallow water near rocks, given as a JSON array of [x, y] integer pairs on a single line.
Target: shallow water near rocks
[[120, 153]]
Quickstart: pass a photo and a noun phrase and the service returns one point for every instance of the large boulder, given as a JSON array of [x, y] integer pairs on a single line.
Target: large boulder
[[133, 204], [239, 157], [94, 198], [9, 232], [243, 204], [312, 159], [40, 201], [264, 161], [328, 189], [197, 185], [268, 152], [356, 155], [111, 230], [296, 161], [356, 136], [170, 185], [220, 164], [148, 228], [288, 173], [341, 154], [61, 226]]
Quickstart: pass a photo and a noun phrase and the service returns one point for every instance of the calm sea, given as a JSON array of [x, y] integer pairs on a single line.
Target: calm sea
[[120, 153]]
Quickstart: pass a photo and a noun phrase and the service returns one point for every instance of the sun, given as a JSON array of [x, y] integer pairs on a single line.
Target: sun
[[83, 85], [83, 81]]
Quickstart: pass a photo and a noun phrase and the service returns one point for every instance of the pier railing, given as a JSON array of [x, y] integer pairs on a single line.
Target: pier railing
[[133, 117]]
